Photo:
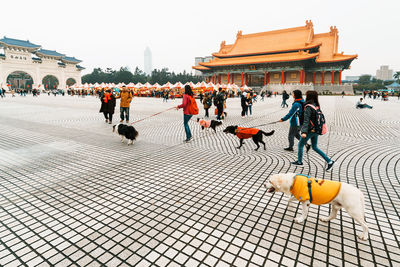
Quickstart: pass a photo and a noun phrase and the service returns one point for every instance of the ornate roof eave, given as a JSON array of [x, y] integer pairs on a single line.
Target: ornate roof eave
[[56, 56], [207, 64], [349, 57], [75, 61], [30, 49], [267, 52]]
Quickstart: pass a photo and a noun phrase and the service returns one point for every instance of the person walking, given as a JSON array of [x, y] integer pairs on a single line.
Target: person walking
[[285, 97], [108, 105], [207, 102], [295, 115], [219, 103], [187, 100], [308, 131], [126, 98], [249, 101], [243, 103], [343, 94]]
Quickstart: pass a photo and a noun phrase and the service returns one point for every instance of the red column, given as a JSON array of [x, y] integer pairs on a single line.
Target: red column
[[282, 75], [203, 78], [265, 78], [323, 77], [241, 81], [333, 77], [268, 77], [340, 77], [233, 77], [313, 77], [227, 78], [301, 76], [246, 78], [215, 78], [219, 78]]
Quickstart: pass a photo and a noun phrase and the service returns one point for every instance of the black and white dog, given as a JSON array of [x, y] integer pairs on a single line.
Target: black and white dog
[[126, 131]]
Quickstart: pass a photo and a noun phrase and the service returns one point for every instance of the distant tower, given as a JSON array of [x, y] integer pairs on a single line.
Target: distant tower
[[148, 68]]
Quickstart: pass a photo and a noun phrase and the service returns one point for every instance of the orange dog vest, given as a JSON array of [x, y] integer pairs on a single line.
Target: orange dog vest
[[317, 191], [245, 133]]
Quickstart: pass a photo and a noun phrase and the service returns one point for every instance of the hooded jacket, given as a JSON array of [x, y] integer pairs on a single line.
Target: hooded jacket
[[295, 113]]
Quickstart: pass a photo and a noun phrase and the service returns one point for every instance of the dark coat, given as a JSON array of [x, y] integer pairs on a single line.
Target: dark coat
[[109, 106]]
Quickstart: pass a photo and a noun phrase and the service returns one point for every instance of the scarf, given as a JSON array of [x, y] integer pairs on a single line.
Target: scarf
[[107, 97]]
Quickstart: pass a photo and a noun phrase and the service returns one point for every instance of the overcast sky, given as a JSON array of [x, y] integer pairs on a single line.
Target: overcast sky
[[115, 33]]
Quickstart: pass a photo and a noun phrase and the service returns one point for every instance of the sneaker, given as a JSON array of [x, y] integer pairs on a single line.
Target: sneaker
[[288, 149], [109, 122], [121, 121], [330, 165], [307, 147], [106, 121], [296, 163], [188, 140]]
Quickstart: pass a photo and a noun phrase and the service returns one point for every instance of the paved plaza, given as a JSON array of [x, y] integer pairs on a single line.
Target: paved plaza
[[71, 194]]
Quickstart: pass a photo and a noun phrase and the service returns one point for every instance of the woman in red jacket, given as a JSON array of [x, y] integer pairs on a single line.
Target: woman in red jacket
[[186, 115]]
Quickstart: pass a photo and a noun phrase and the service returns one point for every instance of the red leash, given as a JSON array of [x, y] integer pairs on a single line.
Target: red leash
[[152, 115]]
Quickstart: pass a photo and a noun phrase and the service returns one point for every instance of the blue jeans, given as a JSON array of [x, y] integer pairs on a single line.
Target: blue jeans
[[314, 145], [186, 119], [123, 111], [249, 110]]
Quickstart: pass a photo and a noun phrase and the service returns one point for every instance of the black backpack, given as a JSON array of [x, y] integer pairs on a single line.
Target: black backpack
[[318, 121], [209, 102]]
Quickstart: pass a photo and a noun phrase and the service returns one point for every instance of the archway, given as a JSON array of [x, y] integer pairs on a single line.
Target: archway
[[19, 80], [70, 81], [50, 82]]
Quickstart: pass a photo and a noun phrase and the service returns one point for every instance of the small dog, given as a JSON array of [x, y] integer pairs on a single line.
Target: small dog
[[311, 190], [245, 133], [126, 131], [209, 124]]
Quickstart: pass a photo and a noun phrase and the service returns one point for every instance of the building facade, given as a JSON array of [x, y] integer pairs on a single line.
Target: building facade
[[280, 57], [197, 60], [148, 61], [384, 73], [31, 60]]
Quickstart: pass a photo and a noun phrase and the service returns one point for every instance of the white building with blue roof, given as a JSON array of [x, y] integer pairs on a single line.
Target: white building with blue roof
[[19, 56]]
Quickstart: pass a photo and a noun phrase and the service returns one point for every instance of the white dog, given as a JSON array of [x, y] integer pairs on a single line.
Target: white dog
[[316, 191]]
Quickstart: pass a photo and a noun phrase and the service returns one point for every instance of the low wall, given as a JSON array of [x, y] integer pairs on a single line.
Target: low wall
[[328, 89]]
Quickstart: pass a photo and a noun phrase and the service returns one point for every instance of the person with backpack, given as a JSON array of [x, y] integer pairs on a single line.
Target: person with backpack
[[207, 102], [285, 96], [190, 108], [313, 126], [296, 116], [219, 103]]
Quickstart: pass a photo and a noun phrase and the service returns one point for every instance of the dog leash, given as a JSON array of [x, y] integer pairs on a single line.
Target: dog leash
[[155, 114]]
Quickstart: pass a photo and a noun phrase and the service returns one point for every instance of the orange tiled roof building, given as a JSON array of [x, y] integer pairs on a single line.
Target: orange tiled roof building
[[294, 55]]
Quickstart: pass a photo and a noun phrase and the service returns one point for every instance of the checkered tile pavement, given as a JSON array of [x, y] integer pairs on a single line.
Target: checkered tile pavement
[[71, 194]]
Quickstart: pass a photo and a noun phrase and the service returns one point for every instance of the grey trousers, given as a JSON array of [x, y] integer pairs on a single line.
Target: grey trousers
[[293, 132]]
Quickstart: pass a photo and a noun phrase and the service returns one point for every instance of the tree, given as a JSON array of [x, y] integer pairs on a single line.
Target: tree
[[396, 75], [50, 82], [364, 79], [161, 76]]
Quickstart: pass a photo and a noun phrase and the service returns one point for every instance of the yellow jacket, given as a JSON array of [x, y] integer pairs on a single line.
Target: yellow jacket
[[126, 98], [322, 191]]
